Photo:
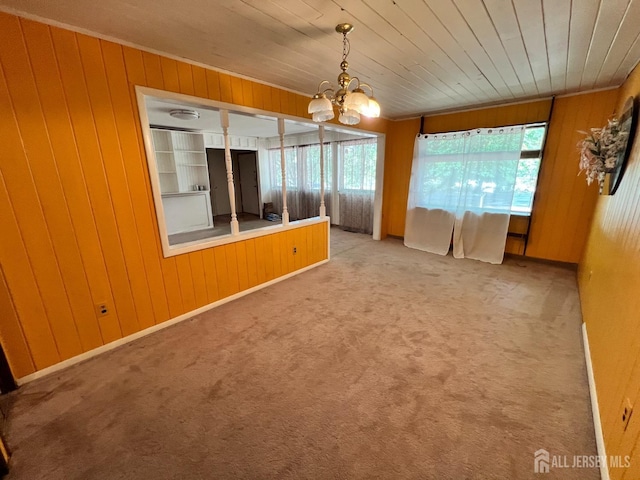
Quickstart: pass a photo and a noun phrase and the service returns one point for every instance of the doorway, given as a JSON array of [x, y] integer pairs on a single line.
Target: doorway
[[245, 178], [248, 180], [220, 204]]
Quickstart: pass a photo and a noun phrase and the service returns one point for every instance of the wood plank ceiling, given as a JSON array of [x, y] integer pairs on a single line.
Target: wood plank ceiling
[[421, 56]]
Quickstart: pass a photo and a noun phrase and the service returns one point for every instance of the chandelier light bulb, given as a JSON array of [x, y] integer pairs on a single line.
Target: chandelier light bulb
[[357, 101], [373, 109]]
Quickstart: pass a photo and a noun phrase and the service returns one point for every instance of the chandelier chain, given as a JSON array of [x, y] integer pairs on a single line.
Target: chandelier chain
[[346, 46]]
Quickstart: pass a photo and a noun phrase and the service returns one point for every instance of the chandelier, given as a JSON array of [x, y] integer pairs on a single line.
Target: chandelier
[[351, 103]]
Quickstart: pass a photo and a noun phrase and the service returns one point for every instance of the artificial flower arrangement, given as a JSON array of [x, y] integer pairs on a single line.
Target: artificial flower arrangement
[[600, 151]]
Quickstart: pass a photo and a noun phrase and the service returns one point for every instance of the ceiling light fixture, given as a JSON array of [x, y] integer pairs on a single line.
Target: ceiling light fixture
[[351, 103], [183, 114]]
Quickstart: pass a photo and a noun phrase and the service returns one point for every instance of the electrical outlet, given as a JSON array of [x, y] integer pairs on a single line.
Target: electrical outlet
[[627, 410], [102, 309], [295, 250]]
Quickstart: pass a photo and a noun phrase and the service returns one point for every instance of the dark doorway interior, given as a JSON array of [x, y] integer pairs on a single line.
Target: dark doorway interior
[[7, 382], [245, 176]]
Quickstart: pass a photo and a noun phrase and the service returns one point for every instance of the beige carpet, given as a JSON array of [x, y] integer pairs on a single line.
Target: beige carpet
[[385, 363], [246, 221]]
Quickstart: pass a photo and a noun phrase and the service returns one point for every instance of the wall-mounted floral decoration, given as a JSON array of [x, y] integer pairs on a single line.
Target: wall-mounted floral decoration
[[604, 151]]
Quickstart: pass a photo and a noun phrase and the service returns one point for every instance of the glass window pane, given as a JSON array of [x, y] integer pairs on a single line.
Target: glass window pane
[[359, 165], [310, 155], [291, 162], [533, 138], [525, 187]]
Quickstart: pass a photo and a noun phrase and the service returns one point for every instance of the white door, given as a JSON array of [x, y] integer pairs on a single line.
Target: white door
[[249, 182]]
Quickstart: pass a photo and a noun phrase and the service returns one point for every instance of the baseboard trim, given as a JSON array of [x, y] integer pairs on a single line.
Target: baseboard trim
[[155, 328], [595, 408]]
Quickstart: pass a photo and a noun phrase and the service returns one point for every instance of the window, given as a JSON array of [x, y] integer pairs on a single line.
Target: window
[[488, 178], [291, 165], [303, 167], [310, 166], [354, 167], [528, 169], [358, 165]]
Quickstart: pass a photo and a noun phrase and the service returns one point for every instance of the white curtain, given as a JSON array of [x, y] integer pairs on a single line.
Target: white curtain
[[357, 178], [303, 180], [462, 186]]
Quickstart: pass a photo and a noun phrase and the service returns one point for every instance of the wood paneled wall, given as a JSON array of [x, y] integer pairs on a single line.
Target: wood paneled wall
[[563, 206], [517, 113], [609, 280], [401, 136], [77, 214]]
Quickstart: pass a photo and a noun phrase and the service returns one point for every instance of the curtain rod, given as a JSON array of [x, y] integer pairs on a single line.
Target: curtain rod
[[357, 140], [527, 125]]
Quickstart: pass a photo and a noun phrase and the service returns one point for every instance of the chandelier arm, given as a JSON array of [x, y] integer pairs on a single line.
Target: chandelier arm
[[322, 83], [351, 80], [328, 89], [362, 84]]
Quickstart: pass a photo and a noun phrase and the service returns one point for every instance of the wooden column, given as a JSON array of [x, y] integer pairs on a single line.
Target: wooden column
[[224, 121], [283, 166], [323, 208]]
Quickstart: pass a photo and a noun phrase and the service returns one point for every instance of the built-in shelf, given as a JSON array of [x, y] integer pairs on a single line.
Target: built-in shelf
[[181, 161], [182, 149]]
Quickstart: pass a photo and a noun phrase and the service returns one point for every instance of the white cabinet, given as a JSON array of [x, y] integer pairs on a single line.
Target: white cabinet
[[184, 212]]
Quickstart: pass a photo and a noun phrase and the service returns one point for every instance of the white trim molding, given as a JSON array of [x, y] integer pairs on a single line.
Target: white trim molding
[[595, 407], [160, 326]]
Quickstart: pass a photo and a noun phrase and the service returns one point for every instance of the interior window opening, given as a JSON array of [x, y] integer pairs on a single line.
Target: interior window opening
[[206, 194]]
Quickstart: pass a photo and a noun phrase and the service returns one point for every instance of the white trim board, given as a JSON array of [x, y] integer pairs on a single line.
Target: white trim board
[[595, 407], [160, 326]]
